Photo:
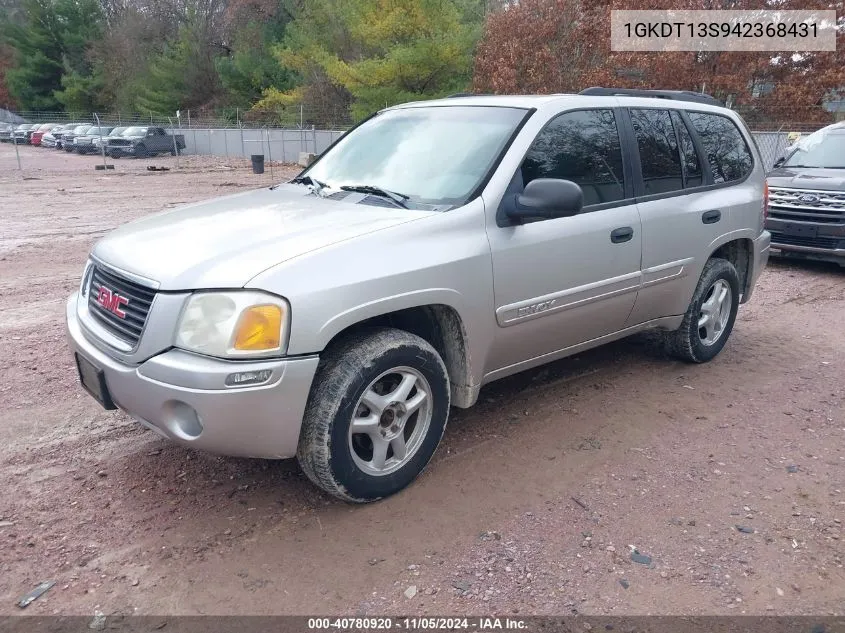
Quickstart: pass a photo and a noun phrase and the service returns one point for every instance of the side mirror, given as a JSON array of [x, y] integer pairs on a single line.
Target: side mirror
[[545, 199]]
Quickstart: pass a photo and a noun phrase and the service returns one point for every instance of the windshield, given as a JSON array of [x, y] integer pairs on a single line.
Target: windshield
[[81, 129], [825, 148], [96, 131], [433, 155], [118, 131], [136, 131]]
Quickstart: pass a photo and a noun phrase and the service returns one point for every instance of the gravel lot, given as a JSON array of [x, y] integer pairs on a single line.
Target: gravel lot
[[532, 504]]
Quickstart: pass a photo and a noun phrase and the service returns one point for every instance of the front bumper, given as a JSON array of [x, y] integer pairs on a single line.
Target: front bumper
[[762, 246], [120, 150], [183, 397], [824, 241]]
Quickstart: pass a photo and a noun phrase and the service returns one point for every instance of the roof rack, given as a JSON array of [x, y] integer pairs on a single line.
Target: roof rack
[[676, 95], [462, 94]]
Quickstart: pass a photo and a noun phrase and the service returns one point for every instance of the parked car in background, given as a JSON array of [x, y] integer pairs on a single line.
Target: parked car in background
[[49, 139], [6, 130], [337, 317], [84, 144], [807, 198], [68, 138], [39, 132], [20, 135], [145, 141], [68, 130], [96, 141]]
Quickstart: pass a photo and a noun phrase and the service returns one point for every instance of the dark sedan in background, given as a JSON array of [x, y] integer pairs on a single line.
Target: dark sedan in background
[[84, 144], [22, 133], [69, 135]]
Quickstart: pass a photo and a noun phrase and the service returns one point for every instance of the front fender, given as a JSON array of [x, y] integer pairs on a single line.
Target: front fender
[[385, 305]]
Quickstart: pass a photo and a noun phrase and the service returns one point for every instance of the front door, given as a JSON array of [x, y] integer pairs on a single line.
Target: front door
[[565, 281]]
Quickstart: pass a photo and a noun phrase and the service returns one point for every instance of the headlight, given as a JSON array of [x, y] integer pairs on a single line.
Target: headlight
[[238, 324]]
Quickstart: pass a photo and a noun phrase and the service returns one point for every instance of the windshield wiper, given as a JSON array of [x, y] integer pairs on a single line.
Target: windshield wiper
[[308, 180], [398, 198]]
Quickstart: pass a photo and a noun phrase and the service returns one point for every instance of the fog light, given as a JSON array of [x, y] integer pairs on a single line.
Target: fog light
[[248, 378]]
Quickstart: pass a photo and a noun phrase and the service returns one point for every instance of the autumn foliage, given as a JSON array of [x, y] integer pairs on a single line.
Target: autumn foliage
[[554, 46]]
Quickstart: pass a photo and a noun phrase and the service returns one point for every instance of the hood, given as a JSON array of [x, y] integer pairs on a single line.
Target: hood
[[808, 178], [225, 242]]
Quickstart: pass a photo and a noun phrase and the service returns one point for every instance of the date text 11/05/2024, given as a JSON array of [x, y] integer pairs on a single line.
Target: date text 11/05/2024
[[480, 624]]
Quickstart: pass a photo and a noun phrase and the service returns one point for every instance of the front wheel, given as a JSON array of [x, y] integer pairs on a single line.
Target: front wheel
[[375, 416], [710, 317]]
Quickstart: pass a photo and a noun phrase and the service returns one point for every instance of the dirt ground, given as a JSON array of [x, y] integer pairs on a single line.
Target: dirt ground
[[532, 504]]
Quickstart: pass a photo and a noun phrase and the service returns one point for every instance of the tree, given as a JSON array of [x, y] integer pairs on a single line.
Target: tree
[[184, 75], [373, 53], [550, 46], [53, 39], [250, 68]]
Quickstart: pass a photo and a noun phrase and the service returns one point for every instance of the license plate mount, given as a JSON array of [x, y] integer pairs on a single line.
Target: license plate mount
[[93, 380], [796, 229]]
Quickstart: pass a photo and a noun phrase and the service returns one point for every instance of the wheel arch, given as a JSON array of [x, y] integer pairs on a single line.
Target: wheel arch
[[438, 323], [738, 249]]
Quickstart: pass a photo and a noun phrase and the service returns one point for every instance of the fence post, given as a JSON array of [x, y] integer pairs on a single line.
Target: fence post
[[270, 155], [243, 145], [17, 151], [226, 142], [284, 155], [175, 146]]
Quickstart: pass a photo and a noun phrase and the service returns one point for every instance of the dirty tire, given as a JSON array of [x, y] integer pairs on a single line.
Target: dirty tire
[[345, 371], [685, 343]]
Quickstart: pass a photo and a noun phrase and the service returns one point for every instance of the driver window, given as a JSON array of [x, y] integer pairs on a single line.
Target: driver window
[[581, 146]]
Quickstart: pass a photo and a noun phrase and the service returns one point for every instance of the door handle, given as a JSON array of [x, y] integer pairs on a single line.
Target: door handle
[[622, 234], [711, 217]]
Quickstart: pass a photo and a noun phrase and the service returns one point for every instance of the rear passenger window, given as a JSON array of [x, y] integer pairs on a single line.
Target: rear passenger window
[[689, 157], [726, 150], [659, 157], [583, 147]]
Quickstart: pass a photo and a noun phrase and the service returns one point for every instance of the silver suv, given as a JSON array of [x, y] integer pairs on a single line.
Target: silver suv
[[433, 249]]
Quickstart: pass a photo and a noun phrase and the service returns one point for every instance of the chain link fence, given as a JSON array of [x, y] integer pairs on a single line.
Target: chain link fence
[[291, 134], [299, 116]]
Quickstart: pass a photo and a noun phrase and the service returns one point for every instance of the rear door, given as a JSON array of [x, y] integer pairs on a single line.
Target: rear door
[[685, 198]]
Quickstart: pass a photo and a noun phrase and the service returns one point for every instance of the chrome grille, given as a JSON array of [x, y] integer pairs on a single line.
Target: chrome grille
[[807, 205], [139, 298]]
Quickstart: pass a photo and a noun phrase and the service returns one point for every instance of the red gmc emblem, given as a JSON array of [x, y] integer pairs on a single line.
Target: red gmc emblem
[[112, 301]]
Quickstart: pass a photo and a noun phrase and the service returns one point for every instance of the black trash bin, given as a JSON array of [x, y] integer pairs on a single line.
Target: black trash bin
[[257, 163]]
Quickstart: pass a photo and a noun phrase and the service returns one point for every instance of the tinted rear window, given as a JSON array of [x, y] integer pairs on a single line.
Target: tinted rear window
[[726, 150]]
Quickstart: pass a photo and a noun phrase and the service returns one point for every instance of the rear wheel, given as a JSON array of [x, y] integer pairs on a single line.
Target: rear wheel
[[375, 416], [710, 317]]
